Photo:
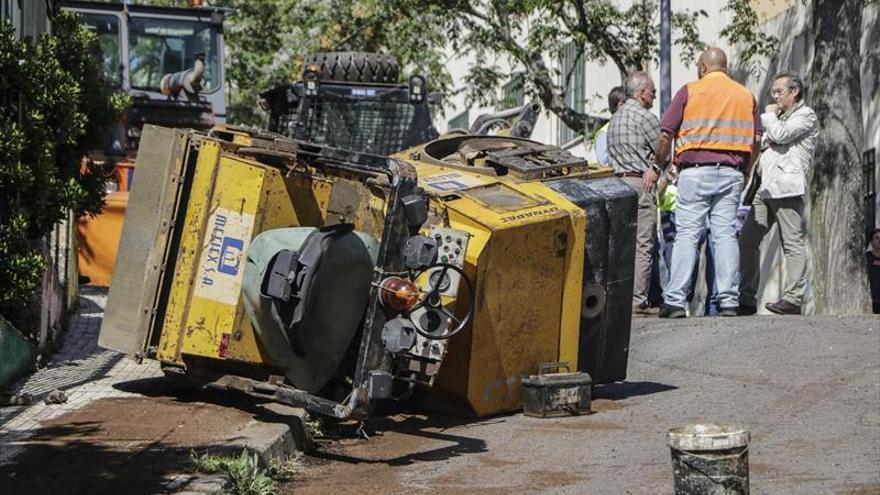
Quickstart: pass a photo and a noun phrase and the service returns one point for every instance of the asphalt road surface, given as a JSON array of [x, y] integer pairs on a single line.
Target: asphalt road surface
[[808, 388]]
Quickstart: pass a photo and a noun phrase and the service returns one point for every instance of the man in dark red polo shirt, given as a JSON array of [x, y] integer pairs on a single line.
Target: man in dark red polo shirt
[[716, 126]]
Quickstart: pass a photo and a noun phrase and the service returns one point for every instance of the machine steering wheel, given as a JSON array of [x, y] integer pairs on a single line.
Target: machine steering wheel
[[429, 317]]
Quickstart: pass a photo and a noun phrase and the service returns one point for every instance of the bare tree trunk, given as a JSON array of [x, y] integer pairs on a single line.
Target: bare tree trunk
[[550, 97], [837, 218]]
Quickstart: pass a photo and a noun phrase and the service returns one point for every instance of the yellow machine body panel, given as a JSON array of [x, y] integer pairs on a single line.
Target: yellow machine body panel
[[215, 308], [171, 337], [275, 211], [520, 238], [233, 199], [226, 209], [525, 256], [571, 299]]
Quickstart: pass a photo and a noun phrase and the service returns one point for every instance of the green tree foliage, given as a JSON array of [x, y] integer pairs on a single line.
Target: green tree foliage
[[744, 32], [530, 34], [267, 40], [54, 105]]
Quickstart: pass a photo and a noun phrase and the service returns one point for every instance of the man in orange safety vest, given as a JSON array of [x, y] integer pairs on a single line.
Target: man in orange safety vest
[[716, 126]]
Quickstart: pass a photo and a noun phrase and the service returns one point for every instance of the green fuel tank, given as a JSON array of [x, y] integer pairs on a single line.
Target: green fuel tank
[[305, 291]]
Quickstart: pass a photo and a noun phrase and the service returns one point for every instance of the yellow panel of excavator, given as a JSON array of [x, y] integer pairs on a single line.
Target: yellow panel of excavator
[[526, 258], [232, 199]]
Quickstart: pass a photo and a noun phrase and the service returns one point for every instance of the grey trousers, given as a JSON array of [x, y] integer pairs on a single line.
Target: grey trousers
[[789, 214], [646, 239]]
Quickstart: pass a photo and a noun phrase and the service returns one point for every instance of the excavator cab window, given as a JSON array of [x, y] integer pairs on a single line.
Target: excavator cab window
[[106, 29], [162, 46]]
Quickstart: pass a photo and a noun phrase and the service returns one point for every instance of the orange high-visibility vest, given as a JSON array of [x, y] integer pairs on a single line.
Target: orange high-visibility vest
[[718, 116]]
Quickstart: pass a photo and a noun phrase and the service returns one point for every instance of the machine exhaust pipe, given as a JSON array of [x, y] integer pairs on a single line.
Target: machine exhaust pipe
[[524, 118], [189, 80]]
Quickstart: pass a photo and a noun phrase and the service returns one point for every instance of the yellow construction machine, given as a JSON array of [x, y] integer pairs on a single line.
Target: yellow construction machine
[[297, 271], [170, 61]]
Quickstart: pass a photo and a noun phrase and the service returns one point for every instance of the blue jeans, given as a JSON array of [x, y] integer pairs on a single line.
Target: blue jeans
[[712, 303], [667, 223], [713, 192]]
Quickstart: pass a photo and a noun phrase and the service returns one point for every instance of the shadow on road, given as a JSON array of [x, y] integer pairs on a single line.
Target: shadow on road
[[182, 391], [78, 361], [124, 445], [85, 304], [74, 459], [162, 386], [408, 439], [625, 390]]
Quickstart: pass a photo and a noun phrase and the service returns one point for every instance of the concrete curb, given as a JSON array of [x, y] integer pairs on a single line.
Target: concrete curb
[[274, 443]]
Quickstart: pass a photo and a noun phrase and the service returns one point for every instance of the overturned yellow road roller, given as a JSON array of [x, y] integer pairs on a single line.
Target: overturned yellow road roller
[[331, 279]]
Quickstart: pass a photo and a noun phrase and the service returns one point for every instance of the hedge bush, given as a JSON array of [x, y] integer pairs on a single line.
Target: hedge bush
[[54, 106]]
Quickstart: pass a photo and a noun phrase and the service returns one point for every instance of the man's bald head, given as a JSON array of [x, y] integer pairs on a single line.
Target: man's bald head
[[712, 60]]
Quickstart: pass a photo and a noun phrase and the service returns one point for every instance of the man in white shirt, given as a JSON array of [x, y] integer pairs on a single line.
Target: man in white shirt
[[616, 99], [791, 130]]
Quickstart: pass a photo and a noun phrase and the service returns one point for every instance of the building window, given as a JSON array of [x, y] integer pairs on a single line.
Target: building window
[[30, 18], [869, 171], [572, 71], [460, 121], [106, 29], [513, 92]]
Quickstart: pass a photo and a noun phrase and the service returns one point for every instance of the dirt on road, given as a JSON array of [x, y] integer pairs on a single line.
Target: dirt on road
[[808, 388], [123, 445], [367, 466]]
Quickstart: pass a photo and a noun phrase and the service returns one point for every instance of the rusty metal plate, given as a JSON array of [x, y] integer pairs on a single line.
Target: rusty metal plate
[[146, 235]]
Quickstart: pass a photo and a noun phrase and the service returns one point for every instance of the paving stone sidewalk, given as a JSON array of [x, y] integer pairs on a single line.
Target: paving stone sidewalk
[[81, 369]]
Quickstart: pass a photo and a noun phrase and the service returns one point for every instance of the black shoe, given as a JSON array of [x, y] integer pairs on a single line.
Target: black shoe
[[783, 307], [669, 311], [729, 312], [747, 310]]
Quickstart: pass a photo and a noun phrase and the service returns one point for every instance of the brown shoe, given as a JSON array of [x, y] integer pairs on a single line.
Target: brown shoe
[[645, 309], [783, 307]]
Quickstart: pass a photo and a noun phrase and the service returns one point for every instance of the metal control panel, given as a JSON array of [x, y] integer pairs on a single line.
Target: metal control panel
[[451, 248], [428, 353]]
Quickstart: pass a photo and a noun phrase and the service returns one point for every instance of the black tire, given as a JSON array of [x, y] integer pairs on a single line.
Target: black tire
[[355, 67]]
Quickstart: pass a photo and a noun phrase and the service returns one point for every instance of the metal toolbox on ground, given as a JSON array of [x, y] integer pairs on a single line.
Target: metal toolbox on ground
[[557, 394]]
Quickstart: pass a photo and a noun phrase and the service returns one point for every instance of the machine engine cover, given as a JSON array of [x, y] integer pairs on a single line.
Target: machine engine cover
[[609, 257], [312, 349]]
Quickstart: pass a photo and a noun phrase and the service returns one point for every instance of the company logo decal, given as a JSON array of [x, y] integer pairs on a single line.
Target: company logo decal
[[222, 262]]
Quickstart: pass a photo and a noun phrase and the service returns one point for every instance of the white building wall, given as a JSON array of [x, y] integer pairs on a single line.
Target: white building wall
[[600, 79], [870, 74]]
